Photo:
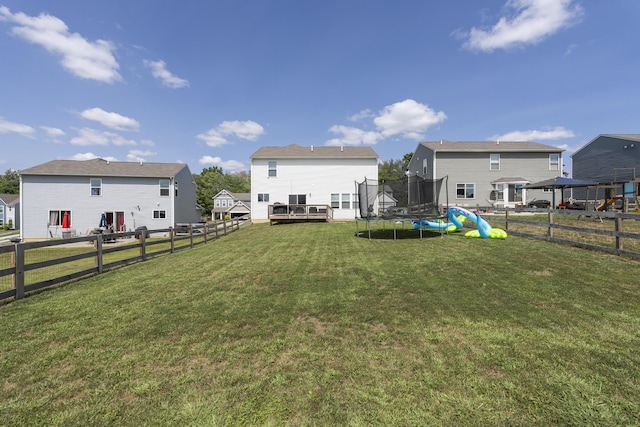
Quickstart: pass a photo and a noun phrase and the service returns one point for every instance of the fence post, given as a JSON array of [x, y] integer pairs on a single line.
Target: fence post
[[618, 230], [205, 229], [550, 227], [17, 261], [143, 246], [224, 227], [98, 248], [172, 244], [215, 228], [191, 236], [506, 219]]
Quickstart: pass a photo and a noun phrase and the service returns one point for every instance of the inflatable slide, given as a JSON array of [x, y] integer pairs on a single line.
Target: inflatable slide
[[456, 216]]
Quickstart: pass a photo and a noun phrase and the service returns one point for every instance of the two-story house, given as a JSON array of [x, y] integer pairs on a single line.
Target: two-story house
[[487, 173], [234, 205], [294, 175], [129, 194], [10, 210]]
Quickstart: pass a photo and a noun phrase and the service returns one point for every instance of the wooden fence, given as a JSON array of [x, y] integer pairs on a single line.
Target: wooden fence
[[602, 231], [51, 262]]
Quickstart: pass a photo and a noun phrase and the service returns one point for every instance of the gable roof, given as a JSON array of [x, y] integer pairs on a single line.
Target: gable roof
[[624, 136], [444, 146], [10, 199], [294, 151], [101, 167]]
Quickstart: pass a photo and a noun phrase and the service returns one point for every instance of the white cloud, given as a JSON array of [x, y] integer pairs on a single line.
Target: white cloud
[[531, 22], [139, 155], [407, 118], [247, 130], [53, 132], [11, 127], [227, 166], [547, 134], [364, 114], [88, 136], [352, 136], [84, 59], [110, 120], [160, 72], [91, 156]]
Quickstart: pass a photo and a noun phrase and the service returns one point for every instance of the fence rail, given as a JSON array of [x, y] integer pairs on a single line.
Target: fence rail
[[611, 235], [31, 266]]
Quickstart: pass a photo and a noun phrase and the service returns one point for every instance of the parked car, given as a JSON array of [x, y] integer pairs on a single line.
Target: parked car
[[543, 204]]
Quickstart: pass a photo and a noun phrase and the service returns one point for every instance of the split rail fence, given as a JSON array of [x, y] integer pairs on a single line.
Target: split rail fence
[[30, 266], [613, 232]]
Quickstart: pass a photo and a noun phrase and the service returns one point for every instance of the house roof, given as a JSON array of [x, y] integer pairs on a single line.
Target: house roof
[[625, 136], [445, 146], [10, 199], [294, 151], [101, 167]]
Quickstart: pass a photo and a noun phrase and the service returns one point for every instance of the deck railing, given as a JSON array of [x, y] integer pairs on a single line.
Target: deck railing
[[290, 213]]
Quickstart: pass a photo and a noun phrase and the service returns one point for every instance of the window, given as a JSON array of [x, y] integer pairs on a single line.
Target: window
[[425, 163], [346, 200], [263, 197], [465, 191], [273, 171], [96, 186], [547, 190], [498, 192], [159, 214], [554, 162], [175, 186], [216, 203], [335, 200], [354, 201], [56, 217], [223, 202], [297, 199], [494, 162], [164, 187]]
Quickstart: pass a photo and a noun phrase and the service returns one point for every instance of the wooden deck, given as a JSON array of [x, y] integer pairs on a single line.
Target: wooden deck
[[300, 213]]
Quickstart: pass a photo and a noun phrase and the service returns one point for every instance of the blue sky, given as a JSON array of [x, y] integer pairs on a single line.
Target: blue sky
[[209, 82]]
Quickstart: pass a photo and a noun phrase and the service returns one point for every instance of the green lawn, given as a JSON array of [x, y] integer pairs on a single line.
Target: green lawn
[[306, 324]]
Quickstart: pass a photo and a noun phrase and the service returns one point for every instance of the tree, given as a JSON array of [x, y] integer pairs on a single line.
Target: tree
[[394, 170], [10, 182], [212, 180]]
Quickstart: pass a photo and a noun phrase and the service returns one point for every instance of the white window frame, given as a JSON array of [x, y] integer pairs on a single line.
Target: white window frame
[[554, 165], [335, 200], [216, 203], [355, 201], [466, 186], [499, 190], [165, 186], [159, 214], [60, 213], [98, 187], [263, 197], [272, 169], [425, 166], [494, 162], [345, 201]]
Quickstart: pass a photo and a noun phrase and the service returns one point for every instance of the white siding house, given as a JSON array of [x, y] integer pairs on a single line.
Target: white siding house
[[485, 174], [10, 210], [310, 176], [131, 195]]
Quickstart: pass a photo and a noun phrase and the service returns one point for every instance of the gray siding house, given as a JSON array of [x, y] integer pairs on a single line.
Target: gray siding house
[[487, 174], [10, 210], [131, 195], [608, 158], [613, 160], [233, 204]]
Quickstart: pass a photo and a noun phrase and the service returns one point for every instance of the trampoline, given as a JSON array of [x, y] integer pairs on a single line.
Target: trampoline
[[412, 200]]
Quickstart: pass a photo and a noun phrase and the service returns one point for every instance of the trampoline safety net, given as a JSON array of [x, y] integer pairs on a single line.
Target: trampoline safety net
[[411, 197]]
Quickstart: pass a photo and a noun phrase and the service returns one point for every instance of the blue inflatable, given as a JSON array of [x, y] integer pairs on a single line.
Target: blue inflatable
[[484, 229]]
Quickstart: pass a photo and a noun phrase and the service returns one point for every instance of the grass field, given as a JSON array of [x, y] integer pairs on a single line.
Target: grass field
[[305, 324]]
